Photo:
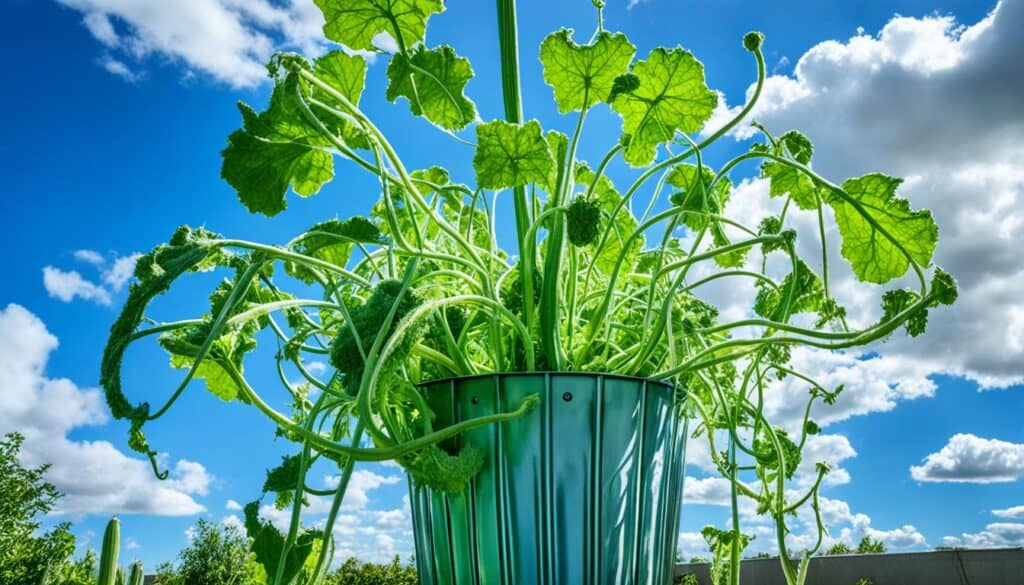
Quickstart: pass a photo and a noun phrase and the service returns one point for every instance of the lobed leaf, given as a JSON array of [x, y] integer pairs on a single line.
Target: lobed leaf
[[355, 23], [433, 81], [671, 96], [872, 204], [276, 149], [584, 75], [511, 155]]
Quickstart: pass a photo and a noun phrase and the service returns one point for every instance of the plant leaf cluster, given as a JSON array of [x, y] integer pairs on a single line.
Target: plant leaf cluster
[[600, 278]]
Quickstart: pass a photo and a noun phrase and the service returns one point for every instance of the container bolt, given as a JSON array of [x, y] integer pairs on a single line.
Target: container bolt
[[567, 396], [475, 400]]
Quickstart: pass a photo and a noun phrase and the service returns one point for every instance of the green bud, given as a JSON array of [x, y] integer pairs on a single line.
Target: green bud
[[752, 41]]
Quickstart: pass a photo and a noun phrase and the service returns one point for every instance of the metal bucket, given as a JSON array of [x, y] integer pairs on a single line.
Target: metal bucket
[[585, 489]]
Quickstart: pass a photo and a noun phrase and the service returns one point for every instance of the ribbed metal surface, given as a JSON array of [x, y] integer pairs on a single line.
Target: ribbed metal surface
[[586, 489]]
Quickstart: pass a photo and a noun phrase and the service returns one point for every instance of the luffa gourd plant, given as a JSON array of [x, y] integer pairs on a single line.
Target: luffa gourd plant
[[602, 279]]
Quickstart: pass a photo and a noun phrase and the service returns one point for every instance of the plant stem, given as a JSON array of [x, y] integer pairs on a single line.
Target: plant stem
[[509, 43]]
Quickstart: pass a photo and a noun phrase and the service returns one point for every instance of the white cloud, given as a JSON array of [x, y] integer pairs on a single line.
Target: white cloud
[[710, 490], [90, 257], [890, 102], [967, 458], [1014, 513], [190, 477], [120, 271], [904, 537], [229, 40], [131, 544], [66, 286], [118, 68], [94, 476], [692, 544], [995, 535], [233, 505], [359, 485]]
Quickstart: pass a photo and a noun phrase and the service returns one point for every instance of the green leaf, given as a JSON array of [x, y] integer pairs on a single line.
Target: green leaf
[[671, 96], [785, 180], [511, 155], [624, 83], [873, 204], [267, 544], [354, 23], [345, 73], [582, 76], [273, 150], [433, 80], [332, 241], [802, 287], [694, 196], [184, 345], [896, 301], [798, 146], [731, 259]]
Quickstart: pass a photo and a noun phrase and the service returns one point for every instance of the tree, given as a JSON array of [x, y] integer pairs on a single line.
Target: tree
[[839, 548], [353, 572], [218, 554], [25, 557], [867, 546]]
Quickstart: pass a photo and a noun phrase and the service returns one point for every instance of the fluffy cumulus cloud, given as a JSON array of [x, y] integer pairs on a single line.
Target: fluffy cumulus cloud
[[967, 458], [995, 535], [1014, 513], [95, 476], [229, 41], [113, 273], [936, 102]]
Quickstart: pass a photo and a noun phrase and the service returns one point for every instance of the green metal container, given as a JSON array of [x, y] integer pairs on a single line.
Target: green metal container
[[585, 489]]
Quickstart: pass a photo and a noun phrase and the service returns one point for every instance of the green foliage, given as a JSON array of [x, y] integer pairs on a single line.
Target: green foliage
[[218, 553], [266, 544], [434, 82], [867, 207], [671, 95], [353, 572], [600, 279], [354, 23], [839, 548], [582, 76], [511, 155], [274, 150], [868, 546], [25, 556]]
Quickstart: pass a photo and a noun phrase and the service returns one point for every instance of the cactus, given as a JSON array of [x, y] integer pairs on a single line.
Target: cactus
[[121, 577], [135, 577], [108, 558]]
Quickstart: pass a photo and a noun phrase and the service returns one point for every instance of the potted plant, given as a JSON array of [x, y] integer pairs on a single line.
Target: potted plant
[[538, 398]]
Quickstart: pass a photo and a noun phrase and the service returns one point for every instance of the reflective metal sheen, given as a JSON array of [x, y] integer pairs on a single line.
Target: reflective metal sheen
[[585, 489]]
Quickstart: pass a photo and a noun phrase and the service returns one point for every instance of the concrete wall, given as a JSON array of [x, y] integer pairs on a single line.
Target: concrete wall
[[963, 567]]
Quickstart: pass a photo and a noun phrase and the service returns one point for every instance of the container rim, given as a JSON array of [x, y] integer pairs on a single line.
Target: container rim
[[545, 373]]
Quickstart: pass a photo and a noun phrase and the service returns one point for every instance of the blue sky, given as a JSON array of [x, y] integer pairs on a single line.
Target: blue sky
[[117, 116]]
